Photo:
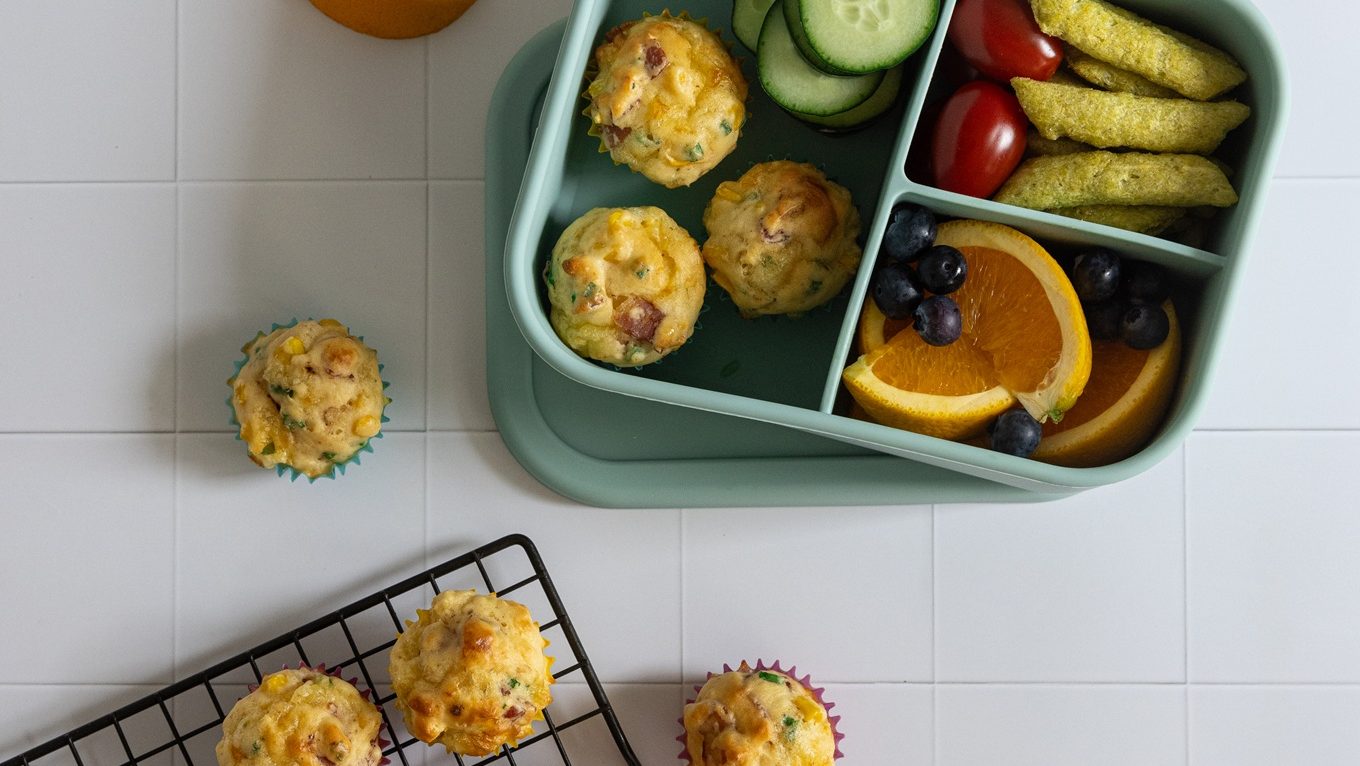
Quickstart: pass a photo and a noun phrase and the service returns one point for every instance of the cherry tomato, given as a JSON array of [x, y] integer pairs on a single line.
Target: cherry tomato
[[979, 139], [1002, 39]]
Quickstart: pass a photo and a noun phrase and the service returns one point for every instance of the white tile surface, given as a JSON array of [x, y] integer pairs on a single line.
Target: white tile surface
[[90, 269], [457, 330], [275, 89], [1274, 726], [89, 91], [34, 714], [774, 584], [1315, 46], [885, 723], [1090, 588], [1045, 725], [86, 554], [355, 252], [618, 570], [1273, 569], [484, 40], [1297, 319], [288, 160], [326, 543]]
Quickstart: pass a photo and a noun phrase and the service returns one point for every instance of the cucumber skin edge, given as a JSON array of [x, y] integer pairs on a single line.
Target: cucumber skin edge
[[820, 61], [762, 71], [793, 16]]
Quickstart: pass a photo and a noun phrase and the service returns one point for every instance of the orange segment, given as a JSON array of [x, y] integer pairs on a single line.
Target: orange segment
[[1124, 403], [394, 19], [1024, 339]]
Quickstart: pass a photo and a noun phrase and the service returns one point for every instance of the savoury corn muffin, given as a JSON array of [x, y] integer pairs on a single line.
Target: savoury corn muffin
[[470, 673], [301, 717], [625, 285], [668, 99], [782, 239], [308, 396], [758, 717]]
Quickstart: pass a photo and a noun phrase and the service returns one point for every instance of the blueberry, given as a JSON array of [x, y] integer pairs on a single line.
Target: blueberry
[[938, 320], [942, 269], [1144, 326], [1016, 433], [1102, 319], [911, 229], [896, 291], [1146, 282], [1096, 275]]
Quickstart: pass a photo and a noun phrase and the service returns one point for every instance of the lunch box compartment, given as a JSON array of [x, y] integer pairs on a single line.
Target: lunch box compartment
[[787, 371]]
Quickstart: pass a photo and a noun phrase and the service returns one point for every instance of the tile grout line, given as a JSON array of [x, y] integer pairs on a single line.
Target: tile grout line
[[1185, 584], [684, 516], [934, 641], [934, 600], [174, 377], [429, 222]]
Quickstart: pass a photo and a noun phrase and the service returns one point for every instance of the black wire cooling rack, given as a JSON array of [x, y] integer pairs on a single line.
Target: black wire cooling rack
[[181, 724]]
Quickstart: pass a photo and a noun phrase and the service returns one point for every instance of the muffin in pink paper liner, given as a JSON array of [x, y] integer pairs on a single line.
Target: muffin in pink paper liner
[[761, 716], [302, 717], [308, 398]]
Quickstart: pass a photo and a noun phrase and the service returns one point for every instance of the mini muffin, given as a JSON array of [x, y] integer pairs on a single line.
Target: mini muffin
[[758, 717], [781, 239], [301, 717], [626, 285], [308, 397], [470, 673], [668, 99]]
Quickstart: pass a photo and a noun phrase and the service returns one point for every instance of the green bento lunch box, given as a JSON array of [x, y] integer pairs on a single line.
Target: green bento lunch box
[[787, 371]]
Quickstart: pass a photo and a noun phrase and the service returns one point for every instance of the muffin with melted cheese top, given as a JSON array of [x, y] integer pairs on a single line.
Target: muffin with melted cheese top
[[301, 717], [758, 717], [308, 397], [470, 673], [782, 239], [668, 99], [625, 285]]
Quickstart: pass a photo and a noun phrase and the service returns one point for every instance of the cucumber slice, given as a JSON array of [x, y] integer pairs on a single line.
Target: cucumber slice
[[880, 102], [857, 36], [795, 84], [747, 17]]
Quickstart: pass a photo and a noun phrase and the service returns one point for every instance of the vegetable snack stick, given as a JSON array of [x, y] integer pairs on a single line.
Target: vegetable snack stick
[[1128, 41], [1106, 119], [1145, 219], [1111, 77], [1107, 178]]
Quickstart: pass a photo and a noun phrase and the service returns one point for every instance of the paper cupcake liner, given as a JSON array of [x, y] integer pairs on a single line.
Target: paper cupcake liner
[[282, 469], [367, 694], [791, 672]]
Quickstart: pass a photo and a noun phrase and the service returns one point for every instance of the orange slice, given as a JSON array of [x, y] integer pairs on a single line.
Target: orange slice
[[394, 19], [1124, 403], [1024, 339]]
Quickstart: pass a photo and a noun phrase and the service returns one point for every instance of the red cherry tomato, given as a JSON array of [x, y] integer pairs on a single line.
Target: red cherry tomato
[[979, 139], [1002, 40]]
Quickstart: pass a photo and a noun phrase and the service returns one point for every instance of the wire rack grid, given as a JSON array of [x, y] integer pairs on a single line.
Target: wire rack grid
[[180, 724]]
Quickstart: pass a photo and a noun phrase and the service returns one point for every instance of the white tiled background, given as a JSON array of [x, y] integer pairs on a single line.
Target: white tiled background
[[175, 174]]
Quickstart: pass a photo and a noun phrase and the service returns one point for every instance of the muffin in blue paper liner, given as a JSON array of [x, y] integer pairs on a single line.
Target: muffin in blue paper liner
[[303, 716], [307, 398], [761, 716]]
